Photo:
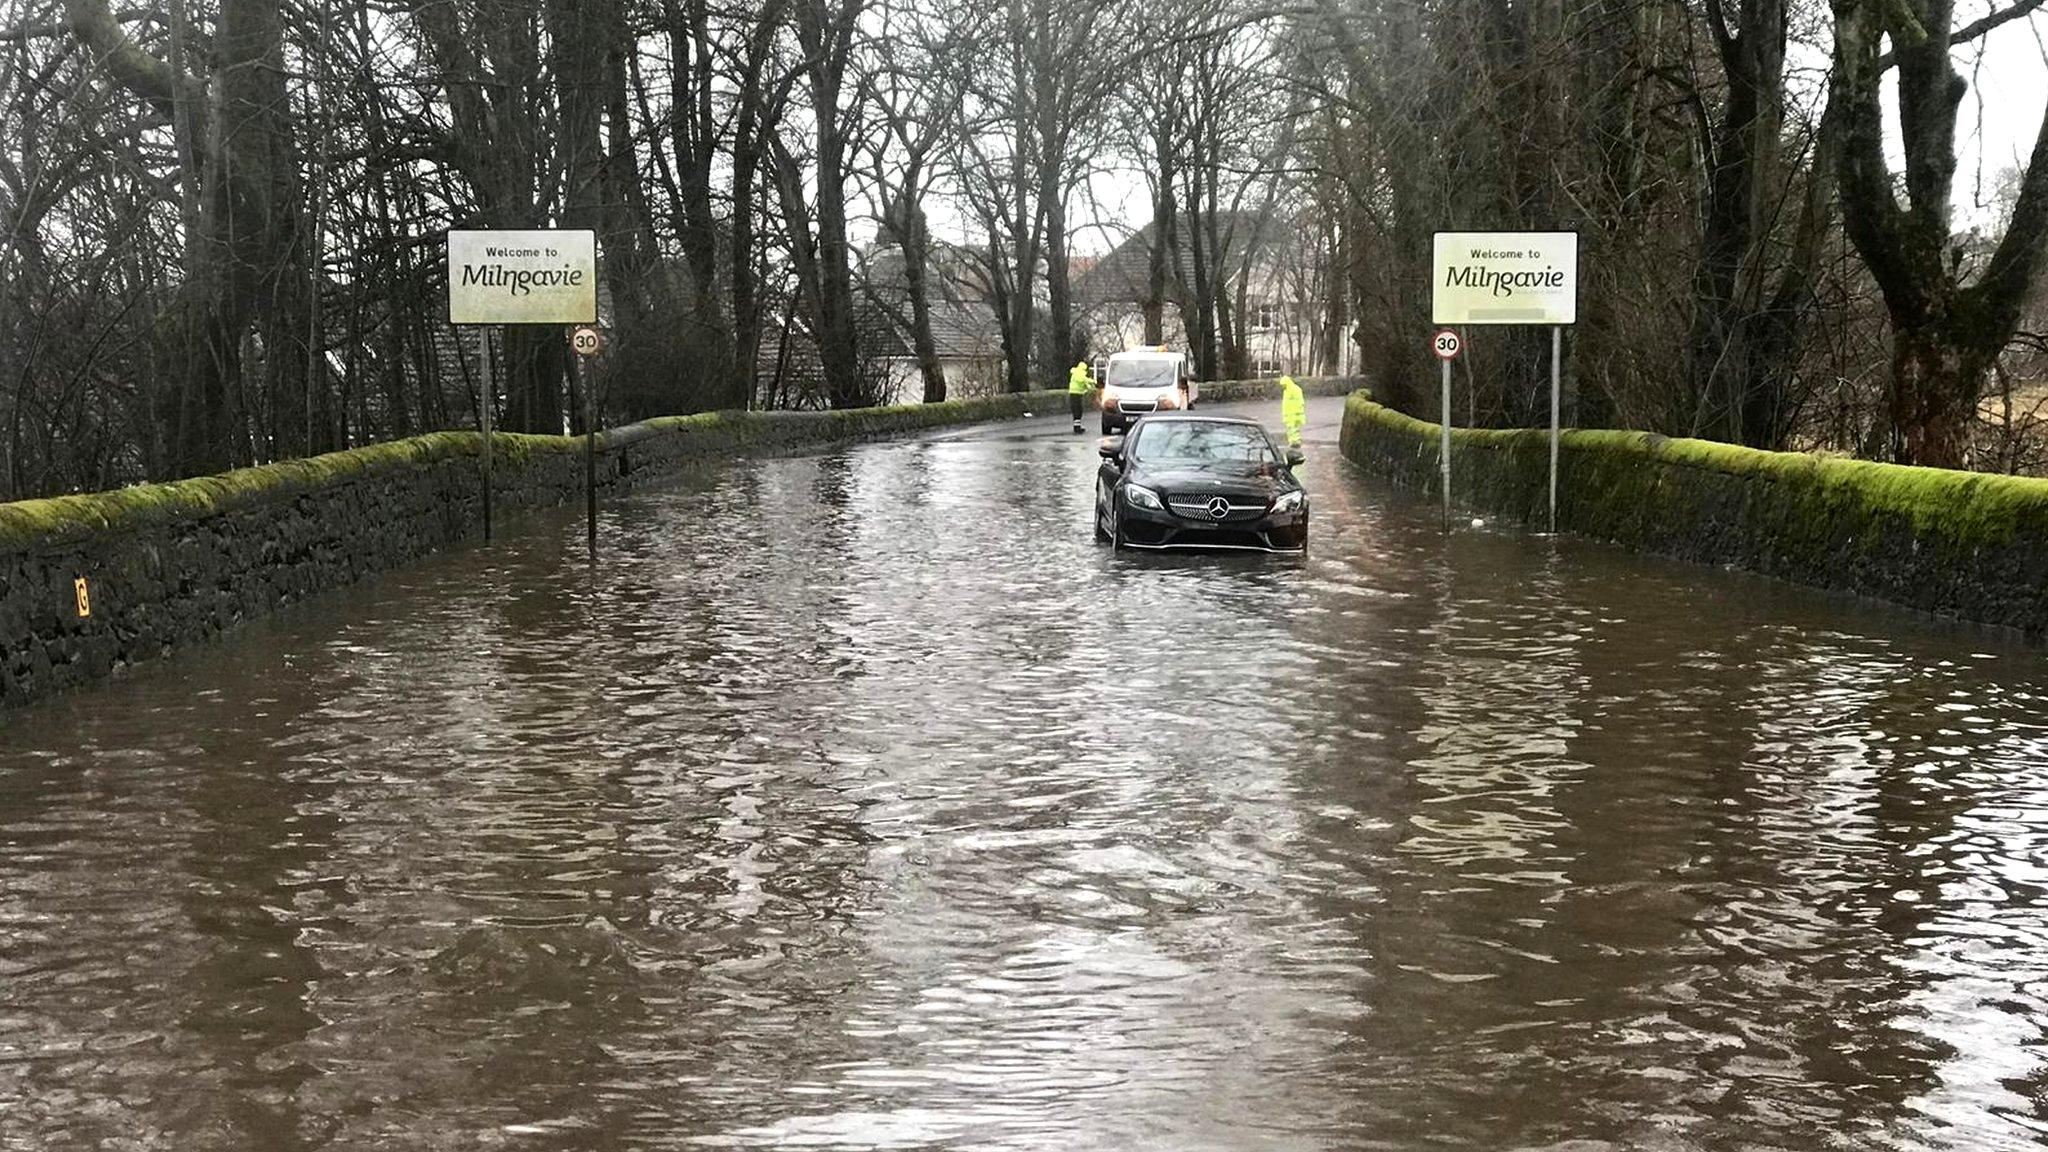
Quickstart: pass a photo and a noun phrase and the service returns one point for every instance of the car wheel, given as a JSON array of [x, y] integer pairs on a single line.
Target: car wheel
[[1101, 533], [1116, 524]]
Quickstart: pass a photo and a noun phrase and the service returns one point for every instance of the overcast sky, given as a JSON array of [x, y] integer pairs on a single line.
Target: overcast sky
[[2001, 114]]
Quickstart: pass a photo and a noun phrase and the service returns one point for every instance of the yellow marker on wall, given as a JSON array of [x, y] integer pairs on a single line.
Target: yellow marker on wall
[[84, 597]]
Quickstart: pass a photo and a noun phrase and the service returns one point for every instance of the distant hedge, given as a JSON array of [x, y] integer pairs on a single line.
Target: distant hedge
[[1964, 544]]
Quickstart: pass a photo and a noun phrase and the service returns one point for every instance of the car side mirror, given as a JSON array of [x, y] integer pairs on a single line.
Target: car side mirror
[[1296, 457], [1111, 448]]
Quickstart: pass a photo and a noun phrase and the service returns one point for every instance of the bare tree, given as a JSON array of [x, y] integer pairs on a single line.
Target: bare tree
[[221, 220], [819, 243], [1951, 316], [916, 82], [239, 193]]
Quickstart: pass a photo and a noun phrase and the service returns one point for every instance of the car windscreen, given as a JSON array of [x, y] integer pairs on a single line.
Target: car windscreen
[[1197, 443], [1143, 373]]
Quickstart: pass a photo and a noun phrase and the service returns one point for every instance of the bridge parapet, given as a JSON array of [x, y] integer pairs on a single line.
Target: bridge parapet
[[1968, 545], [168, 565]]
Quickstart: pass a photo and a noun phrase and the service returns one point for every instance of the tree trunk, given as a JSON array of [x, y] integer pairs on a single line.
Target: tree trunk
[[577, 34], [905, 223], [1945, 335], [1159, 255], [746, 296], [1203, 257], [648, 359], [1059, 299], [826, 35], [1336, 303], [1023, 223], [245, 259], [1933, 399], [999, 302], [693, 135], [1740, 349]]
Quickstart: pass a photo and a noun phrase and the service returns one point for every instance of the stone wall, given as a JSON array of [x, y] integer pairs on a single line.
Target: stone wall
[[172, 564], [1268, 388], [1962, 544]]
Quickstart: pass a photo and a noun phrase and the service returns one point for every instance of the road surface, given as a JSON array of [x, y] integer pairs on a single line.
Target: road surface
[[862, 800]]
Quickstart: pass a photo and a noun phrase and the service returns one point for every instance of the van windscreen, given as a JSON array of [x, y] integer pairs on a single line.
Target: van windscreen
[[1142, 374]]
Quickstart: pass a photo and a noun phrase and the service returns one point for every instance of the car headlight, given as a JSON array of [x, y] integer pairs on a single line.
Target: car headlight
[[1169, 400], [1290, 501], [1142, 497]]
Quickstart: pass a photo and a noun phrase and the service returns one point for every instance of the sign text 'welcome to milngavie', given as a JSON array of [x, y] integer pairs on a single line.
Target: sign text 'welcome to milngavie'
[[1505, 278], [527, 277]]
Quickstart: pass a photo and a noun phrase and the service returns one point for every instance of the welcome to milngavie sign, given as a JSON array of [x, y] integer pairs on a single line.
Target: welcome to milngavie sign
[[530, 277], [1505, 278]]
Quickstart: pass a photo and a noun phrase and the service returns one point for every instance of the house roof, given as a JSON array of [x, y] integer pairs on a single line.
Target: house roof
[[1122, 276], [963, 321], [788, 361], [953, 273], [959, 331]]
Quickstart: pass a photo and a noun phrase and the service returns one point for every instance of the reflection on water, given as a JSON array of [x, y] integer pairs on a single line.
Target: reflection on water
[[861, 801]]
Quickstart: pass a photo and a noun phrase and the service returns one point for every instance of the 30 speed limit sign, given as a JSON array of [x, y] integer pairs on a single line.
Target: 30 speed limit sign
[[586, 341], [1446, 344]]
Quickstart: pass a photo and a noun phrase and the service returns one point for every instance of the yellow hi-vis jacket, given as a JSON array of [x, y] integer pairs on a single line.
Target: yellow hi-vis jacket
[[1293, 408], [1077, 378]]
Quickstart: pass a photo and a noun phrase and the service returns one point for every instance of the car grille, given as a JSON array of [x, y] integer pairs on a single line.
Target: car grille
[[1136, 405], [1192, 506]]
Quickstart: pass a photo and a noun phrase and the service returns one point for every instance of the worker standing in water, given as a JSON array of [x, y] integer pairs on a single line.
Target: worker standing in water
[[1293, 410], [1078, 386]]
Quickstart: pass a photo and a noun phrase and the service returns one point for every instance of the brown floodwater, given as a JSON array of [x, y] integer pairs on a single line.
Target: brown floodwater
[[861, 800]]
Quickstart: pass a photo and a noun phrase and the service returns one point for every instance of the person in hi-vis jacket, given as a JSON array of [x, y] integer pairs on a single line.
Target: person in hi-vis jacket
[[1293, 410], [1078, 386]]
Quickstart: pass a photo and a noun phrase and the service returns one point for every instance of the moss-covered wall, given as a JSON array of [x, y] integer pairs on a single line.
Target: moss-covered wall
[[172, 564], [1268, 388], [1961, 544]]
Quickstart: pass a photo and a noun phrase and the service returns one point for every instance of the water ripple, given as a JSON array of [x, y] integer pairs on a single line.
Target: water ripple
[[860, 801]]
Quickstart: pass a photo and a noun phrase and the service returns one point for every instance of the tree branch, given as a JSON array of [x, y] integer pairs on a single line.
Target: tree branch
[[138, 71], [2016, 263], [43, 29], [1976, 28]]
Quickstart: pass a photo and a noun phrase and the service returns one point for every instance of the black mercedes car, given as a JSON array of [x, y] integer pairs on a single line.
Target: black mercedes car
[[1200, 482]]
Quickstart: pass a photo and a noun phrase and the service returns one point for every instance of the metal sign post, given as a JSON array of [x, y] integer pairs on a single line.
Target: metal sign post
[[545, 276], [1556, 373], [486, 399], [1446, 344], [1510, 278], [587, 342]]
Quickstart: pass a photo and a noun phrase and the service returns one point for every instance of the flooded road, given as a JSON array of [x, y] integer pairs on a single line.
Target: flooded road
[[862, 801]]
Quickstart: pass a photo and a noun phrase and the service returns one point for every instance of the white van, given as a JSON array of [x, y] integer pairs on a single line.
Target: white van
[[1144, 380]]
